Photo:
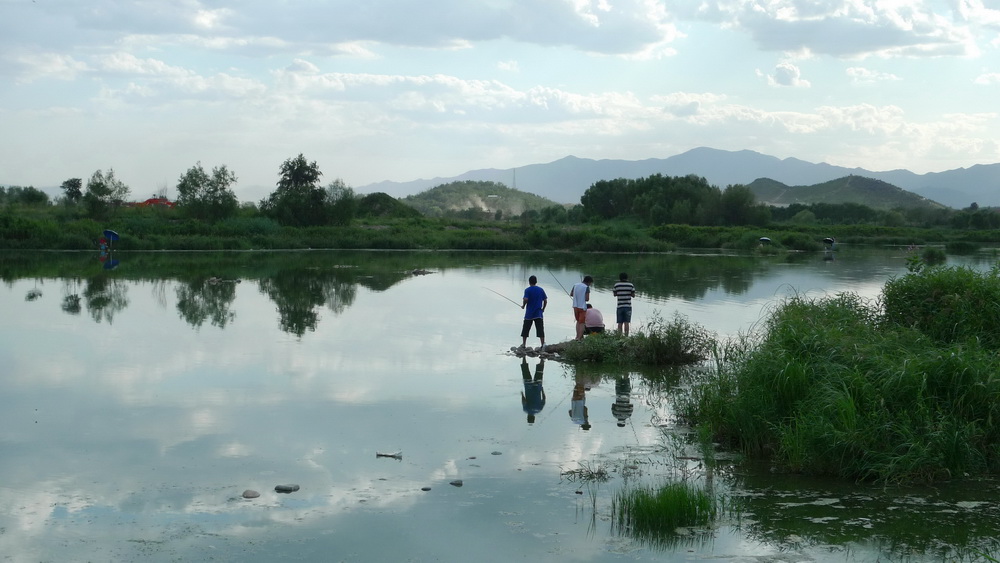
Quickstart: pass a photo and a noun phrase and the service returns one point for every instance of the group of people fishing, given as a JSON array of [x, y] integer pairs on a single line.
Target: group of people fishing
[[588, 318]]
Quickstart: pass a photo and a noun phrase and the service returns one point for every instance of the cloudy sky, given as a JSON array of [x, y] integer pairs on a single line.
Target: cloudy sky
[[399, 90]]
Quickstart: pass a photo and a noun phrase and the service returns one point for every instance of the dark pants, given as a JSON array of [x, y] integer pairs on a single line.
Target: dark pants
[[539, 328]]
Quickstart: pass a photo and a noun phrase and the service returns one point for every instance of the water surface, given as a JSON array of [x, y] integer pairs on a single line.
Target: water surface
[[139, 399]]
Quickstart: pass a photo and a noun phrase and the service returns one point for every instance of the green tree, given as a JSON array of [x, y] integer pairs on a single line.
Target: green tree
[[104, 193], [299, 200], [341, 202], [737, 205], [550, 214], [73, 190], [894, 219], [804, 217], [27, 196], [207, 196], [681, 212], [607, 199]]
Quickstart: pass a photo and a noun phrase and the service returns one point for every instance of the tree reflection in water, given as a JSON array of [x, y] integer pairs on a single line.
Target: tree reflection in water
[[105, 297], [299, 294], [206, 299]]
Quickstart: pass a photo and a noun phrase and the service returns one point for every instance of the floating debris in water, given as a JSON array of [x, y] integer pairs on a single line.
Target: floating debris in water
[[425, 488], [286, 488], [396, 455], [456, 483]]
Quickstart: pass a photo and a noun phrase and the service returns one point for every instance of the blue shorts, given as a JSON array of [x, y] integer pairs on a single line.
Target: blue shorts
[[624, 315]]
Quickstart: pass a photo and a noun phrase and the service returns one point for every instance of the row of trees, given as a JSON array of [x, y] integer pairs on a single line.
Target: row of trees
[[298, 200], [18, 195], [660, 199]]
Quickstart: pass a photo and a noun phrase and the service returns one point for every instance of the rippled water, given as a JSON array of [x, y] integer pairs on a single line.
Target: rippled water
[[139, 402]]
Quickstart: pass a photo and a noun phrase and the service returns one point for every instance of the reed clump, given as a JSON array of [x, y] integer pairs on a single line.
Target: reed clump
[[659, 342], [902, 391], [656, 512]]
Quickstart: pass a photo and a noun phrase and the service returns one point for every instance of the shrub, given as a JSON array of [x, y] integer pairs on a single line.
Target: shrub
[[831, 386], [950, 305], [677, 342]]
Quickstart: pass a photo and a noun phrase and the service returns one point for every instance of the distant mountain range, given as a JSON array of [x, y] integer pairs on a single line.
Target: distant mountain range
[[565, 180]]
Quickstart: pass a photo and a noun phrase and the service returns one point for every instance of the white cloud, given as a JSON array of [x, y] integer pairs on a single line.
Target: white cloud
[[685, 104], [988, 78], [846, 28], [509, 66], [392, 94], [621, 28], [787, 74], [35, 66], [976, 12], [861, 75]]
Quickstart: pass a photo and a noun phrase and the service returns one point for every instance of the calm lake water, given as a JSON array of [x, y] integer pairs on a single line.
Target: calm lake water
[[139, 400]]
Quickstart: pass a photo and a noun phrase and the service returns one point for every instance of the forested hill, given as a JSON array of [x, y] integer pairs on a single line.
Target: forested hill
[[471, 197], [849, 189]]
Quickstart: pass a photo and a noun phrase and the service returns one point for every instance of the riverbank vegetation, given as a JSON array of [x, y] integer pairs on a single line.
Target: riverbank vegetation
[[658, 342], [654, 214], [900, 391], [655, 513]]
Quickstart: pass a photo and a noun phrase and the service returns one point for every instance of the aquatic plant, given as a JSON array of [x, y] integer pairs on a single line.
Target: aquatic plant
[[586, 472], [658, 342], [950, 305], [656, 512], [833, 386], [933, 255]]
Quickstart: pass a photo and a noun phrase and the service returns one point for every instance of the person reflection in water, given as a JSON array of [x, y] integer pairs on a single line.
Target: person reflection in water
[[622, 407], [533, 396], [578, 405]]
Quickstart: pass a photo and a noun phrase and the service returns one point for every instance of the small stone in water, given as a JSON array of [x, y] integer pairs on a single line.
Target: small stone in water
[[497, 453], [250, 493], [425, 488], [286, 488], [456, 483]]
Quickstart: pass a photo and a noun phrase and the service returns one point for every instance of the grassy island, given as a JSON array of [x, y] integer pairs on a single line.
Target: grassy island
[[902, 390]]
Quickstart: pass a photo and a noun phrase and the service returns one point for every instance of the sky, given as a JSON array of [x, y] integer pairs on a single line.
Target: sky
[[399, 90]]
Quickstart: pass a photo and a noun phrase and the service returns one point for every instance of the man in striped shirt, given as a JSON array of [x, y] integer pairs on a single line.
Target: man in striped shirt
[[624, 291]]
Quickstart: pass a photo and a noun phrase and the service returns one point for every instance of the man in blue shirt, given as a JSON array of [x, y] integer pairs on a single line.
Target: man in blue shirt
[[533, 303], [533, 396]]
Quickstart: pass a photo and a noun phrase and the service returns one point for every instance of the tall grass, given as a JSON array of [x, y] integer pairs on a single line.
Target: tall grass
[[950, 305], [658, 342], [834, 386], [655, 513]]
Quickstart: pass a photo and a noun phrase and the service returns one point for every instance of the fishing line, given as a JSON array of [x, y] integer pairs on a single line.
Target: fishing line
[[504, 296], [557, 280]]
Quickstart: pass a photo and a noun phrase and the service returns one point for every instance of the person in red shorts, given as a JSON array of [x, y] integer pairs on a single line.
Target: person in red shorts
[[581, 295]]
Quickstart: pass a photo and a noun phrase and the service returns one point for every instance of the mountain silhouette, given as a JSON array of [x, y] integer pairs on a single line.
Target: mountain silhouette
[[565, 180]]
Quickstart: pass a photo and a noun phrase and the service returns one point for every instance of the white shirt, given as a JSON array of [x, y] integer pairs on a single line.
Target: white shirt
[[580, 295]]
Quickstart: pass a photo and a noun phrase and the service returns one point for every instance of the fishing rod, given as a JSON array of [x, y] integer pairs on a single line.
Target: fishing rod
[[557, 280], [504, 296]]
